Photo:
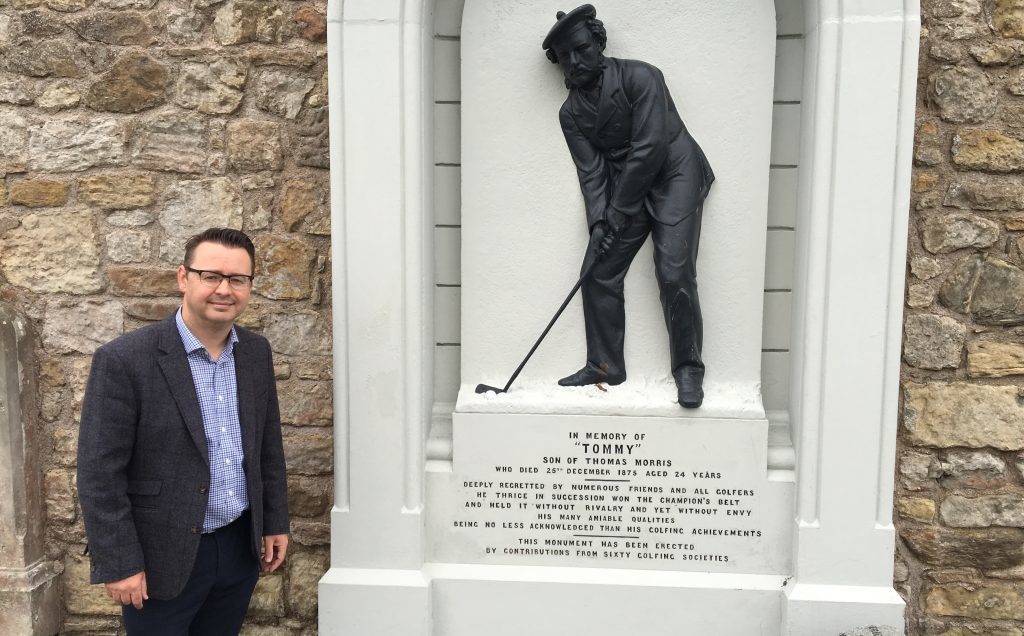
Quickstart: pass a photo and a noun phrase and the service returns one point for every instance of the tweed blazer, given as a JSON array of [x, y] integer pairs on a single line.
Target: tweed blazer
[[143, 465]]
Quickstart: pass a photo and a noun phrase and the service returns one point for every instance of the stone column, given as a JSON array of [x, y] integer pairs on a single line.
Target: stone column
[[29, 587]]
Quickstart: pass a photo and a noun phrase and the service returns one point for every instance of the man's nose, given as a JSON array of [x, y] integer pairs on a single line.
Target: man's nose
[[223, 287]]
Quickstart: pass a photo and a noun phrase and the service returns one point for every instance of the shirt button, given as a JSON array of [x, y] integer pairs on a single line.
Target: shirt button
[[231, 492], [220, 397], [194, 529], [223, 429], [227, 461], [202, 490]]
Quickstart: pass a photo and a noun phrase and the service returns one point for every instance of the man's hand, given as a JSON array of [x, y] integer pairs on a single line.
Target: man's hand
[[601, 239], [274, 548], [130, 590], [617, 221]]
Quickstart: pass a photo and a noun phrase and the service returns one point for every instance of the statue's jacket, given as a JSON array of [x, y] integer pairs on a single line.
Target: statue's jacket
[[631, 149]]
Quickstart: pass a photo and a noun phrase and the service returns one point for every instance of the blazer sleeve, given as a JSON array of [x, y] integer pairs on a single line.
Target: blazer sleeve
[[106, 437], [590, 168], [645, 87], [272, 464]]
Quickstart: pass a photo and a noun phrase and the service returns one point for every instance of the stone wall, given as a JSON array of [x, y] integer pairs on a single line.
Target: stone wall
[[960, 481], [125, 127]]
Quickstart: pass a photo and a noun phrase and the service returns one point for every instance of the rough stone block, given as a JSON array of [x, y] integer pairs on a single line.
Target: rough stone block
[[994, 359], [987, 149], [127, 246], [917, 509], [254, 145], [142, 281], [1008, 18], [81, 326], [119, 191], [306, 404], [39, 193], [191, 207], [282, 92], [995, 600], [71, 145], [308, 451], [116, 27], [268, 597], [52, 253], [136, 82], [300, 332], [933, 342], [305, 570], [963, 96], [990, 289], [985, 193], [200, 87], [173, 143], [945, 233], [959, 414], [1006, 510], [308, 496], [285, 267]]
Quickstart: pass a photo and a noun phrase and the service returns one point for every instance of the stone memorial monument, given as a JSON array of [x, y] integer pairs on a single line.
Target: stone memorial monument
[[598, 505]]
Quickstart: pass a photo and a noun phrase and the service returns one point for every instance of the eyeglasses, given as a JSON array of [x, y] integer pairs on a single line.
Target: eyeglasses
[[214, 279]]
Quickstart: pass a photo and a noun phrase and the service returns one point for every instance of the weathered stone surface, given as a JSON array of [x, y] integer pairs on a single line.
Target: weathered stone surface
[[284, 268], [13, 140], [923, 182], [969, 469], [308, 496], [39, 193], [254, 145], [68, 6], [873, 630], [960, 414], [941, 547], [79, 596], [313, 24], [985, 193], [949, 52], [130, 218], [142, 281], [16, 90], [990, 289], [995, 600], [1014, 223], [240, 21], [987, 149], [306, 404], [172, 143], [201, 87], [81, 326], [994, 359], [1015, 83], [925, 267], [933, 342], [304, 572], [44, 59], [136, 82], [59, 96], [185, 26], [126, 4], [920, 296], [259, 211], [52, 253], [39, 25], [284, 57], [996, 53], [193, 206], [282, 92], [308, 451], [1006, 510], [918, 509], [302, 199], [118, 191], [60, 495], [311, 146], [127, 246], [301, 332], [115, 27], [151, 309], [311, 532], [258, 181], [265, 630], [70, 145], [956, 19], [945, 233], [1008, 18], [963, 96], [268, 598]]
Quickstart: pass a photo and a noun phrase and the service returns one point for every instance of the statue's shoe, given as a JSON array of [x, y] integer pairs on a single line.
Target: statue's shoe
[[689, 381], [590, 374]]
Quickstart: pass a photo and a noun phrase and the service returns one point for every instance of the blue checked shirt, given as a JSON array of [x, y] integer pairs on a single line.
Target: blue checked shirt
[[217, 390]]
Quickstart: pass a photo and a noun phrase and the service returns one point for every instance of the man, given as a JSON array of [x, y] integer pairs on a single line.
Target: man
[[181, 472], [641, 173]]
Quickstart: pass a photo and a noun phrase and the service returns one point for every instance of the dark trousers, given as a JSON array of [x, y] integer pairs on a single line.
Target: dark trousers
[[675, 266], [216, 597]]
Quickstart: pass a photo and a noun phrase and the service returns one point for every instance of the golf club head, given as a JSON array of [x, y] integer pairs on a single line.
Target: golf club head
[[483, 388]]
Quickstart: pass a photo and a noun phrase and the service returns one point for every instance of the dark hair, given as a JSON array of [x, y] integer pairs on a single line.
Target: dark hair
[[596, 29], [225, 236]]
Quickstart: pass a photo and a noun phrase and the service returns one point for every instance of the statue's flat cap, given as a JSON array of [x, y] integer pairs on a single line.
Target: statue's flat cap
[[566, 21]]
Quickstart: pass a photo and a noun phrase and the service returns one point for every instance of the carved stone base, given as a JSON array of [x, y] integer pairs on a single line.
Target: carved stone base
[[30, 599]]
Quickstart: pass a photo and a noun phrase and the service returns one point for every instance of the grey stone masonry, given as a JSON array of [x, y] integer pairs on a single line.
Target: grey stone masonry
[[29, 587]]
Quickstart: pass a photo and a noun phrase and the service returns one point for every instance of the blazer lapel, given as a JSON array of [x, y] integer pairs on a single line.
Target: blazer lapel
[[244, 378], [607, 104], [178, 375]]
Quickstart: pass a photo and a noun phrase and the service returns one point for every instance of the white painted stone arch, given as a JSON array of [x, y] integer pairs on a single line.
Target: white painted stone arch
[[857, 125]]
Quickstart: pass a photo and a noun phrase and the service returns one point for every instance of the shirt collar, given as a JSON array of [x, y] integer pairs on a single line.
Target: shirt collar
[[192, 343]]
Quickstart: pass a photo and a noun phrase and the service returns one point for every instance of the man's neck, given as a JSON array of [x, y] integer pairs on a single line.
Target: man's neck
[[213, 337]]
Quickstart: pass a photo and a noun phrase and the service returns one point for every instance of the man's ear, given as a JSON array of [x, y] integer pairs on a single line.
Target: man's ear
[[182, 273]]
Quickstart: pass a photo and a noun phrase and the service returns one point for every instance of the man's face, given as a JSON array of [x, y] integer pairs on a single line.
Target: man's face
[[209, 306], [579, 56]]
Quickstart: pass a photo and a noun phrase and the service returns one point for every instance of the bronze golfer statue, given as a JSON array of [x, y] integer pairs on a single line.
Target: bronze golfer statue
[[641, 174]]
